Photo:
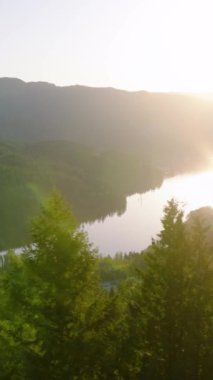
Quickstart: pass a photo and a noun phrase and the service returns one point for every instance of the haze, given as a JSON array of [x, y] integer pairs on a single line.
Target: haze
[[130, 44]]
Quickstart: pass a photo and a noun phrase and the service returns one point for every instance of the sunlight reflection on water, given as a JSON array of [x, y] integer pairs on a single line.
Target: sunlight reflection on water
[[133, 230]]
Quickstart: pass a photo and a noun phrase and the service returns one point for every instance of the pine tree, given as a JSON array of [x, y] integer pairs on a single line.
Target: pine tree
[[199, 304], [173, 304], [159, 300], [62, 287]]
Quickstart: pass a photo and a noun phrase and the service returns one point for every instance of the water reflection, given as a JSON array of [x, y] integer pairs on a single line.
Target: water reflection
[[133, 230]]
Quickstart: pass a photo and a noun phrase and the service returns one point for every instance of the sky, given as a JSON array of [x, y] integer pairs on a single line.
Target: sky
[[153, 45]]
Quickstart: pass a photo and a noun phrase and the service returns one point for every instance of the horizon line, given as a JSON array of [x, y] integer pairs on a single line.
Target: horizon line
[[183, 92]]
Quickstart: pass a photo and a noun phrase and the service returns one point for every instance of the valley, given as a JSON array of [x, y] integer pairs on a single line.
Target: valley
[[95, 146]]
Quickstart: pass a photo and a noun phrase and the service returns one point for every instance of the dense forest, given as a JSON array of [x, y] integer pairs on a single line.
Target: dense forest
[[166, 129], [95, 183], [67, 313], [162, 124]]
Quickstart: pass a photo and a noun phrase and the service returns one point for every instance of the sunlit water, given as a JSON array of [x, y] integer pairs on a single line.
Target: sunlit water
[[133, 230]]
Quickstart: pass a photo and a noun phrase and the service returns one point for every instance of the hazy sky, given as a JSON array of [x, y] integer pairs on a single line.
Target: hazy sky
[[157, 45]]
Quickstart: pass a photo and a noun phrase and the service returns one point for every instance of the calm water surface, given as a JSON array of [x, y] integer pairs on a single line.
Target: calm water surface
[[133, 230]]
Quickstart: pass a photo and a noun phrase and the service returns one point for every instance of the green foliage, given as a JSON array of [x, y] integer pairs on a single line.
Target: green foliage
[[153, 320], [167, 303], [115, 270], [85, 176], [51, 288]]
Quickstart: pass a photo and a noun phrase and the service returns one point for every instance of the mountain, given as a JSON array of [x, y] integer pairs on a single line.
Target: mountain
[[160, 125], [96, 145]]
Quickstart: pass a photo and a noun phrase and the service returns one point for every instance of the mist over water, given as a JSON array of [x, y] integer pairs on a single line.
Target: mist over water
[[133, 230]]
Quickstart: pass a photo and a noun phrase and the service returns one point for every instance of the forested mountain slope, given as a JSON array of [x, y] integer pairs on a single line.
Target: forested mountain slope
[[159, 125], [96, 145], [95, 183]]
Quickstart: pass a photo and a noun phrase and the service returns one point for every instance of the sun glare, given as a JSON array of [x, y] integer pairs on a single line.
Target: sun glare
[[165, 46], [194, 191]]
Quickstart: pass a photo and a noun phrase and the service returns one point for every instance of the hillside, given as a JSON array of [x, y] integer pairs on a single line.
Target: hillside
[[204, 217], [172, 127], [94, 183], [96, 145]]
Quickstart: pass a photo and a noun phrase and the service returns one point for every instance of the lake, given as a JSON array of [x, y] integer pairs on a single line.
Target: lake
[[133, 230]]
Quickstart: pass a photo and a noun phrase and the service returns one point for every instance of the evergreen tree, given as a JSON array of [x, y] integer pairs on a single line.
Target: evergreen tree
[[57, 322], [166, 304], [59, 289], [198, 335]]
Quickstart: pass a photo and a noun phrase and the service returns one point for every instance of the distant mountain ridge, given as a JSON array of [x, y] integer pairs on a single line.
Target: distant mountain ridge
[[105, 118]]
